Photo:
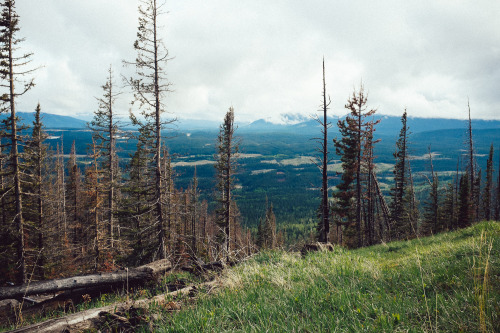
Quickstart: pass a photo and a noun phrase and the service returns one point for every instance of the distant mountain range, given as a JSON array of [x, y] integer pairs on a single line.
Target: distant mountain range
[[49, 120], [388, 126]]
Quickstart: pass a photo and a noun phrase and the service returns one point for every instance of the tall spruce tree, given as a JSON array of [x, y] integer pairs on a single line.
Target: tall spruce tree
[[370, 192], [487, 194], [400, 205], [150, 87], [471, 169], [354, 130], [227, 149], [36, 161], [13, 70], [104, 131]]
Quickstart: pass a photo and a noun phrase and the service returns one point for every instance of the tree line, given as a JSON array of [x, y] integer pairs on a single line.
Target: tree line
[[361, 215], [59, 217]]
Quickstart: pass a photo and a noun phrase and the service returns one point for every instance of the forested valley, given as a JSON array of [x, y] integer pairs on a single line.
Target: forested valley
[[128, 192]]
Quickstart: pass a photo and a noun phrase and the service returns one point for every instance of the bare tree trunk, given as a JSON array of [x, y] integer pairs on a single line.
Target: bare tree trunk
[[324, 186]]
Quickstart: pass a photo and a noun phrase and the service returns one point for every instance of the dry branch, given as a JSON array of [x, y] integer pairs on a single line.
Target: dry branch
[[87, 319]]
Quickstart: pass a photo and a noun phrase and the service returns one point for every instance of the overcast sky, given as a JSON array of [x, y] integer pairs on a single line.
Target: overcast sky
[[264, 57]]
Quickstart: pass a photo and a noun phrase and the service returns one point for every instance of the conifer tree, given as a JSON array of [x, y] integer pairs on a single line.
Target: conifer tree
[[227, 148], [150, 86], [465, 213], [497, 205], [104, 131], [36, 160], [194, 213], [94, 194], [349, 192], [135, 212], [471, 169], [73, 200], [487, 197], [270, 228], [12, 72], [401, 197], [432, 214]]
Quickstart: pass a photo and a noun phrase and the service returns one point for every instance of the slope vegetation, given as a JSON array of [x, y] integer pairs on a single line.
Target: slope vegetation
[[448, 282]]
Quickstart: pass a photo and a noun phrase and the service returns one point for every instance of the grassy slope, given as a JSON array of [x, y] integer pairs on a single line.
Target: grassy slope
[[430, 284]]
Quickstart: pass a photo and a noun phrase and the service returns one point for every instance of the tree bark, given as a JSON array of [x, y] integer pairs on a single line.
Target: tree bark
[[80, 321], [142, 273]]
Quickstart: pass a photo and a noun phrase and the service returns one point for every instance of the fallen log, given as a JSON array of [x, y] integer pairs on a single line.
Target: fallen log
[[142, 273], [88, 319]]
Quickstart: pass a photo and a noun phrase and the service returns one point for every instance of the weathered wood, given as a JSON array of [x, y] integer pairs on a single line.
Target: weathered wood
[[88, 319], [142, 273], [8, 308]]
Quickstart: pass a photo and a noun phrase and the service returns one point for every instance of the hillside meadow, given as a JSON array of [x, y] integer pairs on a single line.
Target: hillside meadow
[[445, 283]]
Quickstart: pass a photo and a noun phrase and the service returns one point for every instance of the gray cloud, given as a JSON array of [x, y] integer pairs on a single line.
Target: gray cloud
[[264, 57]]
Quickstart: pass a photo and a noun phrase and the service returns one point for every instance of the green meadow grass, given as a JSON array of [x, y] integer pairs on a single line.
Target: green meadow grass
[[445, 283]]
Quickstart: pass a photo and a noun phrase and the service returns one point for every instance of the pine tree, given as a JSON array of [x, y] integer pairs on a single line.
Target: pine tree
[[104, 131], [487, 197], [227, 148], [268, 229], [74, 202], [150, 87], [36, 161], [12, 71], [465, 211], [471, 168], [370, 193], [349, 192], [94, 193], [135, 213], [401, 201], [497, 205], [432, 213], [194, 213]]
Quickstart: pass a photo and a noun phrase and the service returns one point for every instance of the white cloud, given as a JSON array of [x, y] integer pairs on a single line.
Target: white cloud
[[264, 58]]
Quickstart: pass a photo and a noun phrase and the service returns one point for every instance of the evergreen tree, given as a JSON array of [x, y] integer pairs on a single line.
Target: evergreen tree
[[74, 202], [150, 87], [135, 213], [94, 194], [227, 148], [269, 229], [449, 207], [400, 205], [487, 197], [465, 211], [353, 130], [370, 193], [104, 131], [497, 205], [36, 161], [12, 71], [432, 213], [471, 169]]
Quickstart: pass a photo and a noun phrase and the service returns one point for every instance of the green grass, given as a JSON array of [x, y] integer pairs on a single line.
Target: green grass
[[449, 282]]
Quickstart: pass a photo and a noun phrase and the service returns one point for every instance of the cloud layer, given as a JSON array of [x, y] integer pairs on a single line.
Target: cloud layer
[[264, 57]]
